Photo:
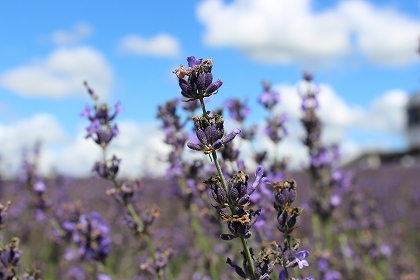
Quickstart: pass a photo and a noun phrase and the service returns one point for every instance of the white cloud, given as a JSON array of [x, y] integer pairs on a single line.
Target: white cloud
[[383, 35], [378, 126], [334, 112], [160, 45], [79, 32], [138, 145], [274, 31], [23, 134], [61, 74], [283, 31], [386, 114]]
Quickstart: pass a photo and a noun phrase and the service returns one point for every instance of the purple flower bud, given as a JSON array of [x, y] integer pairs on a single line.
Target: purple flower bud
[[228, 138], [194, 146], [204, 80], [214, 86]]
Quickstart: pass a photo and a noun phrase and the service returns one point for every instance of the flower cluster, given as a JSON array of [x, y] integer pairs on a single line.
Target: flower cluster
[[210, 133], [10, 257], [156, 266], [329, 183], [237, 110], [269, 98], [92, 237], [200, 79], [288, 219], [102, 131]]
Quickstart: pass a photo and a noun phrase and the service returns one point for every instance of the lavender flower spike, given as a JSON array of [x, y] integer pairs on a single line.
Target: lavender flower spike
[[199, 79], [210, 134]]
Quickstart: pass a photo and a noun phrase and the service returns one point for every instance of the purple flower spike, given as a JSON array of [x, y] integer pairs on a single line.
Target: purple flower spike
[[115, 131], [268, 98], [237, 110], [196, 81]]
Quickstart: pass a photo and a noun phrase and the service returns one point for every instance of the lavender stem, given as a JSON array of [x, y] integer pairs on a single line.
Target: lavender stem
[[232, 209]]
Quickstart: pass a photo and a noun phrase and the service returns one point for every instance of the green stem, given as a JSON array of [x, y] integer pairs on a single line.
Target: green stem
[[140, 225], [247, 251], [286, 238], [232, 209], [328, 235], [317, 232], [203, 108], [344, 246], [203, 243]]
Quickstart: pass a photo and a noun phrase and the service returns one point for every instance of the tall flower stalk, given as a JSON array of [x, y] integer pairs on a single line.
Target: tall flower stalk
[[210, 133], [232, 196], [185, 176], [329, 184], [102, 130]]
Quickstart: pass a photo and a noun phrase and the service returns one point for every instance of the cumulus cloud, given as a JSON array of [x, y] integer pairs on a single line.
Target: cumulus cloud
[[286, 31], [386, 114], [139, 145], [61, 74], [356, 129], [80, 31], [274, 31], [160, 45], [24, 134], [384, 35], [335, 112]]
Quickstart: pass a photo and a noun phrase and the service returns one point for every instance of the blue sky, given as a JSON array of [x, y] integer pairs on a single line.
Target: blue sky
[[361, 52]]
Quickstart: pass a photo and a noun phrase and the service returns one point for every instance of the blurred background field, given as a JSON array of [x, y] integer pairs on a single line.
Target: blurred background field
[[391, 191]]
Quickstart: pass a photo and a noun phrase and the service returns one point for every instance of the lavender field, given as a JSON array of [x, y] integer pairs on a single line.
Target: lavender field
[[232, 209]]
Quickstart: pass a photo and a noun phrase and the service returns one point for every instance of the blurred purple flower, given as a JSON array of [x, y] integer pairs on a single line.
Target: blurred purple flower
[[268, 98], [237, 110]]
